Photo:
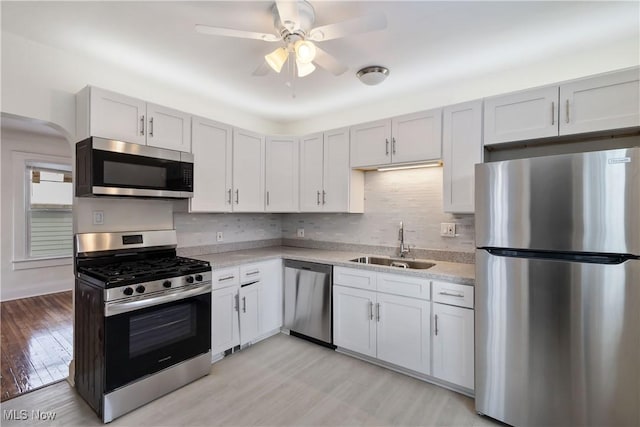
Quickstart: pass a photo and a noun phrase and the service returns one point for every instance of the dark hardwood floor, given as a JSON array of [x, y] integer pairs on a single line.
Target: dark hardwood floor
[[36, 343]]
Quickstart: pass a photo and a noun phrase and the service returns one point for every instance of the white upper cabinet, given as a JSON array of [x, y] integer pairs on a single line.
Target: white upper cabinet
[[417, 137], [168, 128], [406, 139], [281, 174], [462, 149], [593, 104], [609, 101], [311, 172], [248, 171], [211, 145], [520, 116], [371, 143], [110, 115], [327, 183]]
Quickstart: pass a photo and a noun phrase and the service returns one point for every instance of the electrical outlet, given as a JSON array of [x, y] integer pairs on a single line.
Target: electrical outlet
[[98, 217], [300, 232], [448, 229], [219, 236]]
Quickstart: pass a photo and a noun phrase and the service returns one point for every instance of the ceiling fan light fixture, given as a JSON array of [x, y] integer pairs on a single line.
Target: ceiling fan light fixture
[[305, 51], [277, 58], [373, 75], [304, 69]]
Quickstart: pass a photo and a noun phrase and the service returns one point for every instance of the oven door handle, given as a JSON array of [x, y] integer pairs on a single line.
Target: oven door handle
[[114, 308]]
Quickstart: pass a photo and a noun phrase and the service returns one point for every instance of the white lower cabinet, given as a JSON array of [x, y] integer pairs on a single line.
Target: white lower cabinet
[[249, 303], [270, 296], [225, 329], [409, 322], [453, 345]]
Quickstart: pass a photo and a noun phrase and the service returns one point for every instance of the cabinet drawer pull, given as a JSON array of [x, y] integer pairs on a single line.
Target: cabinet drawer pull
[[252, 273], [244, 304], [222, 279], [449, 294], [567, 111], [370, 310], [142, 125], [436, 331], [151, 127], [386, 142], [553, 113]]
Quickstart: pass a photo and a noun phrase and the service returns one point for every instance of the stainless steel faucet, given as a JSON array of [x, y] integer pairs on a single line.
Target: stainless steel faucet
[[402, 251]]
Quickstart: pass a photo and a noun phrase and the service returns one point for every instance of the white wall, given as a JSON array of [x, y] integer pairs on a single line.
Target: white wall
[[35, 281], [40, 82], [463, 84], [413, 196]]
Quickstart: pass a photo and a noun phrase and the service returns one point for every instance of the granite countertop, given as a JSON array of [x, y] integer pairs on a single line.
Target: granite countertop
[[443, 270]]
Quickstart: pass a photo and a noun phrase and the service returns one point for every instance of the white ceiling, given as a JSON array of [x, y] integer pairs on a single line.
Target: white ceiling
[[425, 43]]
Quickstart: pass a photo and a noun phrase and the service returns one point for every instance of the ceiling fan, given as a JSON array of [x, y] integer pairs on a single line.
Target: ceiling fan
[[293, 23]]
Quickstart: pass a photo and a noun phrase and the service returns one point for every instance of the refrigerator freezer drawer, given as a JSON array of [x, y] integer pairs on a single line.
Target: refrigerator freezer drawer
[[586, 202], [557, 342]]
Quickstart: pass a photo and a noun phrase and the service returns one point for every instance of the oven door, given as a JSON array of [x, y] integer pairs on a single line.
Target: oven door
[[146, 340]]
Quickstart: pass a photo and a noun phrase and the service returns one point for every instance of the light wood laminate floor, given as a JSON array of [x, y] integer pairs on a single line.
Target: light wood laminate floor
[[281, 381]]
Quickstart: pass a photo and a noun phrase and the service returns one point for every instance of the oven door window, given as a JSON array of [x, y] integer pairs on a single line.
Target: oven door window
[[122, 170], [142, 342]]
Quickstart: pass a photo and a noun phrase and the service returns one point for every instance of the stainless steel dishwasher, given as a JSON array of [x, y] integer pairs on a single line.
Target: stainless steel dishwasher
[[307, 301]]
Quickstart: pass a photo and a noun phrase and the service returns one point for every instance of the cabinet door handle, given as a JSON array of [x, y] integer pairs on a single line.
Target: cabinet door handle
[[151, 127], [236, 303], [237, 196], [244, 304], [378, 311], [267, 198], [324, 197], [386, 142], [142, 125], [436, 325], [370, 310], [393, 140], [229, 191], [449, 294], [567, 111], [553, 113], [318, 198]]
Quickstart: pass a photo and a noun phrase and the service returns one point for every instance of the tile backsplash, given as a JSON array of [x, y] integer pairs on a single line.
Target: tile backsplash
[[413, 196]]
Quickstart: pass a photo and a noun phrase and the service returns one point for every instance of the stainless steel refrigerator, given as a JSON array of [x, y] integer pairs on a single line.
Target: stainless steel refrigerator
[[558, 289]]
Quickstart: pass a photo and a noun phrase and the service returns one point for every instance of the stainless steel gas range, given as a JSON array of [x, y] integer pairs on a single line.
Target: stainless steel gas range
[[142, 319]]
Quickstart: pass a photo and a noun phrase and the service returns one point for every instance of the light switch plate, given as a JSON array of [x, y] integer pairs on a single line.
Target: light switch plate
[[219, 236], [448, 229], [98, 217], [300, 232]]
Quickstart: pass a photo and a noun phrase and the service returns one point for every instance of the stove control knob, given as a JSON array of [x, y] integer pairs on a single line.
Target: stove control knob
[[167, 284], [128, 291], [140, 289], [199, 277], [189, 279]]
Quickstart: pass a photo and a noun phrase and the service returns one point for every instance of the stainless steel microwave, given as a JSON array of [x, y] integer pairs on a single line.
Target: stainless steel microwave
[[114, 168]]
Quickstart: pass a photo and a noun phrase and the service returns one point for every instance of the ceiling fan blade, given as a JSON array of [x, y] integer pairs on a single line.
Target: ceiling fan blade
[[329, 62], [362, 24], [229, 32], [288, 12], [262, 70]]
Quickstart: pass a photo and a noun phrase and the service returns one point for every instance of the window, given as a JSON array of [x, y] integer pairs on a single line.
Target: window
[[49, 217]]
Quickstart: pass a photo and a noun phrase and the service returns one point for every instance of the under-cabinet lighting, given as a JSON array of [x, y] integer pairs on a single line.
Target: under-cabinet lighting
[[423, 165]]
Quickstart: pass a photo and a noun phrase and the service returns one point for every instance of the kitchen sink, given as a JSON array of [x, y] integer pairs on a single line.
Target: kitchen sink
[[390, 262]]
